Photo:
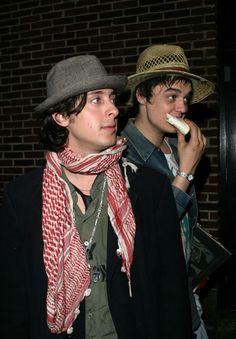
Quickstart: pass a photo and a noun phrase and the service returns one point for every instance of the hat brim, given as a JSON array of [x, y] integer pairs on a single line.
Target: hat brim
[[202, 88], [116, 82]]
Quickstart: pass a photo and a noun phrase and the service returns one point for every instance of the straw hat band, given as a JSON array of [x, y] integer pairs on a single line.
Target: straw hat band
[[166, 69]]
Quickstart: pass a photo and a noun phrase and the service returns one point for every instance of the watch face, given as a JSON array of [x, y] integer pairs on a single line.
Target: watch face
[[190, 177]]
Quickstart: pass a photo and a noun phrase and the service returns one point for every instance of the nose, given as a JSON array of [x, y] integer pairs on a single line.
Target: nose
[[112, 109], [181, 106]]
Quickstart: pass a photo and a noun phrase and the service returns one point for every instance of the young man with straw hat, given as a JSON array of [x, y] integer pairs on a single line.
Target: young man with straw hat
[[161, 90], [84, 250]]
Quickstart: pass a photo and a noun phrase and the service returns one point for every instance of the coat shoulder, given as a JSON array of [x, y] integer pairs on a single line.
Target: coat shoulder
[[24, 188], [146, 176], [26, 180]]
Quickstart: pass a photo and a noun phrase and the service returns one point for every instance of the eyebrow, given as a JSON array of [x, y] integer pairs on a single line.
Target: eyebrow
[[98, 91], [169, 89], [172, 89]]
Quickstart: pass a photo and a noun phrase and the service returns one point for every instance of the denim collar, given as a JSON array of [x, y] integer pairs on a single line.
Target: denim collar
[[141, 144]]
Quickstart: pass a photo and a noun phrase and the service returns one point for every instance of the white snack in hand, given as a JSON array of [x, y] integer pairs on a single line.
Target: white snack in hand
[[181, 125]]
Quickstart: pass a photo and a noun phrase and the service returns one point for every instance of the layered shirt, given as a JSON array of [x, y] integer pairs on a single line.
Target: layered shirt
[[98, 320]]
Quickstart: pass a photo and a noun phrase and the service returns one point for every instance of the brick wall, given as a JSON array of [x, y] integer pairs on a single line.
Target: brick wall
[[36, 34]]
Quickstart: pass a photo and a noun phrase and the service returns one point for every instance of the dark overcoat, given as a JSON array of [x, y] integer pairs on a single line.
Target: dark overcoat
[[159, 308]]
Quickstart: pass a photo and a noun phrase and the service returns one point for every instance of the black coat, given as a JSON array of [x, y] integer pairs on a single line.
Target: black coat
[[159, 308]]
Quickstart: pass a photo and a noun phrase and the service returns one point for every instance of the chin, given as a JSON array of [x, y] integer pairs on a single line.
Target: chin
[[112, 143], [108, 143]]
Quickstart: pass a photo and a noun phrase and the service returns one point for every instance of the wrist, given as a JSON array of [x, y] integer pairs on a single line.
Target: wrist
[[187, 176]]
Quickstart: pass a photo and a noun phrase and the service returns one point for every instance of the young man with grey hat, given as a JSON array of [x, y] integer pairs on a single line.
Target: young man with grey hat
[[161, 90], [87, 249]]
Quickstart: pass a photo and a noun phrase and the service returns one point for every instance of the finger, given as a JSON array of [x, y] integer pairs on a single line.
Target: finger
[[204, 141], [181, 137], [195, 131]]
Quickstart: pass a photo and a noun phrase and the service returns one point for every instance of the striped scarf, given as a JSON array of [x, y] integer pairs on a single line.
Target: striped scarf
[[64, 255]]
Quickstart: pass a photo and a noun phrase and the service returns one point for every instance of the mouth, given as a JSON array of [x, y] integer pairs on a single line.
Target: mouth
[[180, 117], [109, 127]]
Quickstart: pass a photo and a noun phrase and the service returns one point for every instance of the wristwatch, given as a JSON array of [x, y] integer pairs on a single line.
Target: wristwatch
[[188, 176]]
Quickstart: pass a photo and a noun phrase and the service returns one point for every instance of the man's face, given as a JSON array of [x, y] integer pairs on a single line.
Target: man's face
[[94, 128], [173, 100]]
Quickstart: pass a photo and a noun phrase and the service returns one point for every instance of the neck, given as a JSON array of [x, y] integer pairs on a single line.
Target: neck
[[165, 147], [83, 181], [155, 136]]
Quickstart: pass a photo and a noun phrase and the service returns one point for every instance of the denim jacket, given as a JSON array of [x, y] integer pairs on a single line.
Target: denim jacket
[[142, 152]]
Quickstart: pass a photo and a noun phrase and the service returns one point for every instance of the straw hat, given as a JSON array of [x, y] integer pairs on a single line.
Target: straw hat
[[158, 60], [76, 75]]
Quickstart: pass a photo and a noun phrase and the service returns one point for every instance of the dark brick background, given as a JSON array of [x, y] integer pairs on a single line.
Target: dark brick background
[[34, 35], [37, 34]]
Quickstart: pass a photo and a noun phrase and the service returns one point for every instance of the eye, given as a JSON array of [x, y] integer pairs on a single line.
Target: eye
[[96, 100], [187, 99], [172, 97], [113, 99]]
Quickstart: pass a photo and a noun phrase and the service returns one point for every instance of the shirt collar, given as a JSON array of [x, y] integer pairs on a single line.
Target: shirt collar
[[138, 141]]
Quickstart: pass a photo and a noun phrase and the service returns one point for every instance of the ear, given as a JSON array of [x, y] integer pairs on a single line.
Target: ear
[[61, 119], [140, 98]]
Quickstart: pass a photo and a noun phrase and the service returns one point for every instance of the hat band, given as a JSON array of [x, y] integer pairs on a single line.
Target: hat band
[[180, 69]]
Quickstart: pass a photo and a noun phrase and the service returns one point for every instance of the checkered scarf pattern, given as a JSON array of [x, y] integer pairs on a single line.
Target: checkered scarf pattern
[[64, 255]]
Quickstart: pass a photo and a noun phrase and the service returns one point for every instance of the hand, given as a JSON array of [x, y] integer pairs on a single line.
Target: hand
[[190, 154]]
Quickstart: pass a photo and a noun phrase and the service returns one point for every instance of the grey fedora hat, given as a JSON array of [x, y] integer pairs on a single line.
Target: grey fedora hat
[[76, 75]]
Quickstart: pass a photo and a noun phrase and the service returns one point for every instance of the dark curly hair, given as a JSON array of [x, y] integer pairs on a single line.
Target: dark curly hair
[[146, 87], [53, 136]]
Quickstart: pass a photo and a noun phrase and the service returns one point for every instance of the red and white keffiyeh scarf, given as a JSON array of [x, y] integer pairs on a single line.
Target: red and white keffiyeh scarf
[[64, 255]]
